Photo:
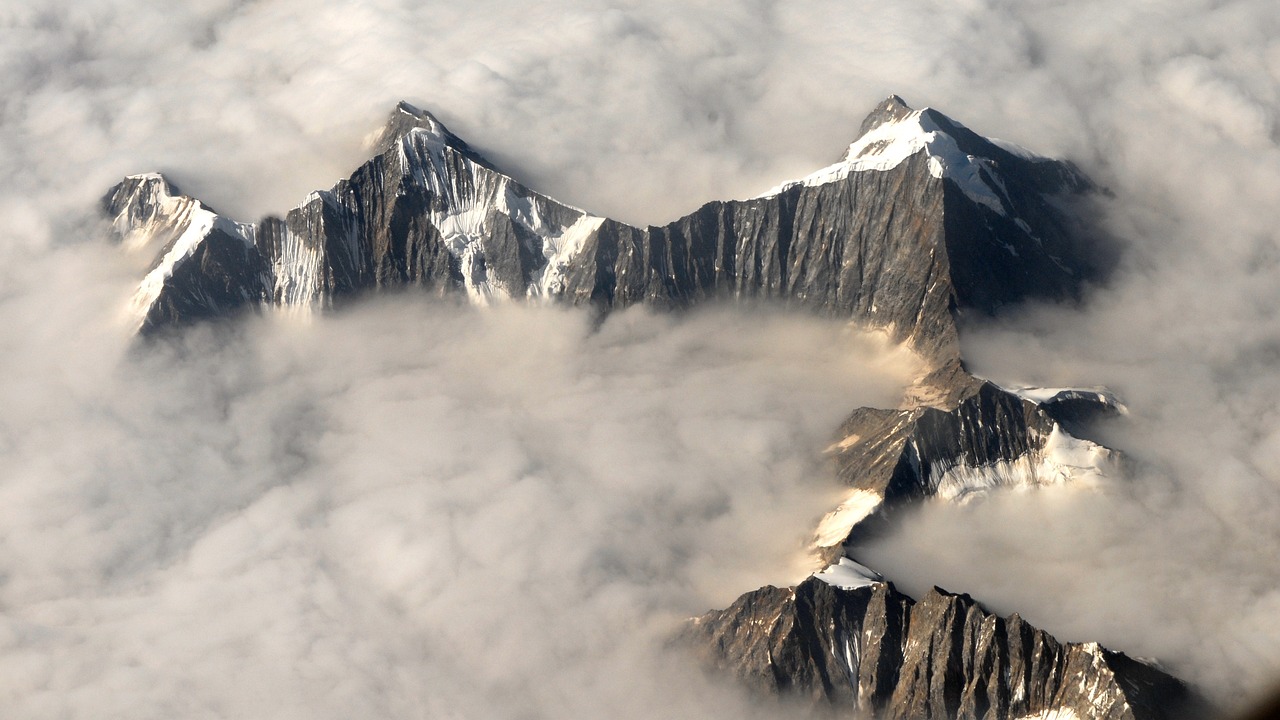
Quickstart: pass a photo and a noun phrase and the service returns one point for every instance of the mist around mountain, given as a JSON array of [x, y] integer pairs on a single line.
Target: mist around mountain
[[921, 222]]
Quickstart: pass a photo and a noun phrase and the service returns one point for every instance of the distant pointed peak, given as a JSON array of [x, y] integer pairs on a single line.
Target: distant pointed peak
[[893, 102], [138, 193], [406, 118], [891, 109], [405, 106], [411, 117], [893, 132]]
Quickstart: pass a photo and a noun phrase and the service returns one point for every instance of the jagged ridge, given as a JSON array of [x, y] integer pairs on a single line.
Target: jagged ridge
[[898, 239], [874, 649]]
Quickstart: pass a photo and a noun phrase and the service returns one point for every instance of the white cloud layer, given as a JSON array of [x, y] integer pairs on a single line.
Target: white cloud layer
[[219, 529], [406, 510]]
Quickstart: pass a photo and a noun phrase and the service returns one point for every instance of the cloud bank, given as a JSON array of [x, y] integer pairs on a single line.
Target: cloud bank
[[148, 496], [408, 509]]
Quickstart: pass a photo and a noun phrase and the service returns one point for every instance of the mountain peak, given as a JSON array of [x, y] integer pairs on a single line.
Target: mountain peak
[[891, 109], [893, 133], [408, 118]]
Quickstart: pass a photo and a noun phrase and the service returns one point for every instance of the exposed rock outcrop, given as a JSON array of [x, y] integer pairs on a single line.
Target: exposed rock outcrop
[[873, 649]]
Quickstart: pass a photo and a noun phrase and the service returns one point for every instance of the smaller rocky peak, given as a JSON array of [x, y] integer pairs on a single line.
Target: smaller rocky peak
[[148, 211], [408, 108], [891, 109]]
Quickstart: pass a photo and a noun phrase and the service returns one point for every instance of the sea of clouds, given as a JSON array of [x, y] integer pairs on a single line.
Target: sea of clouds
[[418, 510]]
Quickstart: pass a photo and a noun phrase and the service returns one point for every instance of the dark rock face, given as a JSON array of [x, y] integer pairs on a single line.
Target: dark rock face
[[898, 247], [867, 247], [220, 276], [873, 649]]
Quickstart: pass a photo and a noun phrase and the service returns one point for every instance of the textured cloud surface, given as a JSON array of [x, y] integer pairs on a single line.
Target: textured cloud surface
[[410, 509], [244, 527]]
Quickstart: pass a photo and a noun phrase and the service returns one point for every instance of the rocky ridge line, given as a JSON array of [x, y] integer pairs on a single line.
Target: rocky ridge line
[[872, 650]]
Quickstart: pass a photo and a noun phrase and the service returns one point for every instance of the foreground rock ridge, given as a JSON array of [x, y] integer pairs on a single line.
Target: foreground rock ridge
[[876, 651], [921, 221]]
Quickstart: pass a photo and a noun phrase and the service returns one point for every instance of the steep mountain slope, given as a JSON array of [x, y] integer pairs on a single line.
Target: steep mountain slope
[[920, 221], [922, 216], [990, 438]]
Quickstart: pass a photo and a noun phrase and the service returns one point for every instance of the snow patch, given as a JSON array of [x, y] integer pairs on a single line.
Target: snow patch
[[837, 524], [559, 251], [887, 145], [852, 661], [1062, 460], [1045, 396], [849, 574], [845, 444], [1068, 459]]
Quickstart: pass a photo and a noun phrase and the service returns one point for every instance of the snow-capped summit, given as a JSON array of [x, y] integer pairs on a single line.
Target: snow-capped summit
[[900, 133], [894, 132], [407, 118]]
